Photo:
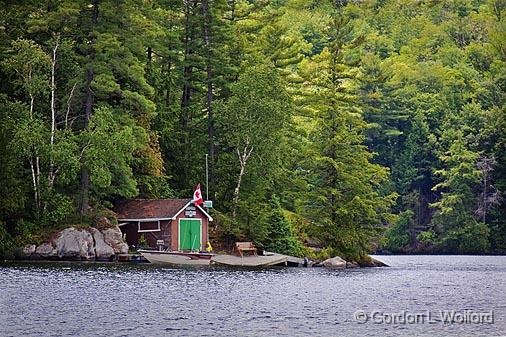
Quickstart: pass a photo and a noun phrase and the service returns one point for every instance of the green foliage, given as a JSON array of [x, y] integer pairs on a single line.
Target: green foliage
[[108, 151], [13, 186], [428, 77], [26, 232], [155, 187], [29, 67], [298, 223], [360, 116], [461, 175], [6, 242], [59, 208], [427, 237], [345, 202], [326, 253], [473, 238], [224, 230], [251, 124], [142, 241], [281, 237], [396, 235], [498, 236], [256, 112]]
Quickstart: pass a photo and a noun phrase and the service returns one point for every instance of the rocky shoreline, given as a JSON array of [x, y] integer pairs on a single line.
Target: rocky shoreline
[[105, 242], [88, 244], [339, 263]]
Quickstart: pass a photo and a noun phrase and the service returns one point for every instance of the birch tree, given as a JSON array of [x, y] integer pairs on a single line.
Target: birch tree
[[252, 124], [29, 66]]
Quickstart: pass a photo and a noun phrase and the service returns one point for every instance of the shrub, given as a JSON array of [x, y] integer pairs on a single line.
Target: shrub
[[397, 234], [6, 243], [281, 237]]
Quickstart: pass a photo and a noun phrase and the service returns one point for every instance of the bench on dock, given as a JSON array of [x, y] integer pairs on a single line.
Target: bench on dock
[[245, 247]]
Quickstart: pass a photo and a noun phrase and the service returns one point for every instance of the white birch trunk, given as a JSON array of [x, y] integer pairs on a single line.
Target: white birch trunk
[[34, 181], [68, 106], [34, 165], [243, 158], [51, 174]]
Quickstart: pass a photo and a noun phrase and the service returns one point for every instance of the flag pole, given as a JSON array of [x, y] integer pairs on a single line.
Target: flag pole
[[207, 198], [207, 179]]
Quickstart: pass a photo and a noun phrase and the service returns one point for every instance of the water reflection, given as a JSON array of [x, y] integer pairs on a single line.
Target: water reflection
[[84, 299]]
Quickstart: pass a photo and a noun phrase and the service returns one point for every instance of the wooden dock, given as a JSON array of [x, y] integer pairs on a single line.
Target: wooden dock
[[249, 261], [133, 258], [291, 261]]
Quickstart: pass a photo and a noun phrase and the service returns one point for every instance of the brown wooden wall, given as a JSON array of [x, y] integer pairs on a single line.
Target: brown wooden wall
[[133, 235], [168, 232], [174, 227]]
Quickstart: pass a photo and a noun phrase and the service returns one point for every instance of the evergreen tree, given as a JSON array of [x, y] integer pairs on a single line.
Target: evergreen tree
[[336, 107], [454, 219], [280, 235], [345, 205]]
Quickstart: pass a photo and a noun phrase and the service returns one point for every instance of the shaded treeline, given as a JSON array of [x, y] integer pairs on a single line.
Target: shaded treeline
[[349, 125]]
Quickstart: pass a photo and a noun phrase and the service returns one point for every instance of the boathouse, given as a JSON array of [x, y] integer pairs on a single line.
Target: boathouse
[[175, 224]]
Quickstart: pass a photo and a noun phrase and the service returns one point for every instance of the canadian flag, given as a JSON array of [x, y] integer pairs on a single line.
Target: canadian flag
[[197, 196]]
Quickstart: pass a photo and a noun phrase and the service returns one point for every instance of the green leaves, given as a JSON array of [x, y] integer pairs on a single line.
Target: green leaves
[[344, 204], [29, 67], [337, 108], [108, 148], [258, 110], [280, 237]]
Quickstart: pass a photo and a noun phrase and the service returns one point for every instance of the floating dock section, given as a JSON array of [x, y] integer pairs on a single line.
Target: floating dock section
[[267, 259], [248, 261]]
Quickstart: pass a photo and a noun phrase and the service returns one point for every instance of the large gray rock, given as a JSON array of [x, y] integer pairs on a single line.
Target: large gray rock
[[114, 238], [46, 250], [85, 244], [378, 263], [75, 244], [103, 251], [28, 250], [352, 264], [334, 263], [369, 261]]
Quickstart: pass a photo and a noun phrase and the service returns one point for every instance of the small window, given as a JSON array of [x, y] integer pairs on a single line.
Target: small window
[[149, 226]]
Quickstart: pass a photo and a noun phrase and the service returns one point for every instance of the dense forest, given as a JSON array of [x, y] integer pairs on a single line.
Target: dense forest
[[350, 125]]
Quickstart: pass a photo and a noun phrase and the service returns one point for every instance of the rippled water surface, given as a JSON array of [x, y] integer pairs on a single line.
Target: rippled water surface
[[79, 299]]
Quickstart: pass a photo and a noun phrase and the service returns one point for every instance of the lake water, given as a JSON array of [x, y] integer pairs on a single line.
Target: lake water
[[416, 296]]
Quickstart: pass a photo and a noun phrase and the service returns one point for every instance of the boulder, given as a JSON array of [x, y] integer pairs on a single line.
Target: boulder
[[352, 264], [378, 263], [369, 261], [80, 244], [103, 223], [28, 250], [46, 250], [334, 263], [103, 251], [114, 238], [75, 244]]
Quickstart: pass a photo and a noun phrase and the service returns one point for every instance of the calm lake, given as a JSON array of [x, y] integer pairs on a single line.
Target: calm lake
[[416, 296]]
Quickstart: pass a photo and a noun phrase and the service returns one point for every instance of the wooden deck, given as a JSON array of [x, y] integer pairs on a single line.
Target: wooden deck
[[134, 258], [249, 261], [291, 261]]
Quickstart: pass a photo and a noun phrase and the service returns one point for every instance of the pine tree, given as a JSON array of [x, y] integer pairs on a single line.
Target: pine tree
[[280, 235], [345, 205], [454, 220]]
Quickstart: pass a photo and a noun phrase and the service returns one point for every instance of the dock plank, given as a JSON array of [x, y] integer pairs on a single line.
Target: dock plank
[[248, 261], [292, 260]]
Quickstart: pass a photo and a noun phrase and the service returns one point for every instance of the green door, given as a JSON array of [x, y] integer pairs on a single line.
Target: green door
[[189, 234]]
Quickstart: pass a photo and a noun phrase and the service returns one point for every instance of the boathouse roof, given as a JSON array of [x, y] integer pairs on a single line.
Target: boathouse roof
[[153, 209]]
